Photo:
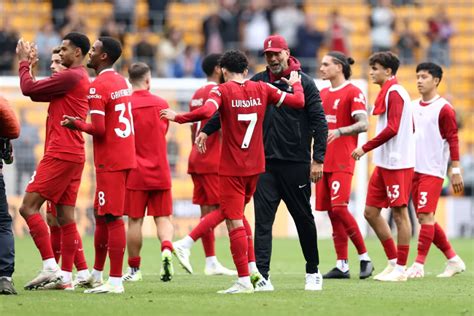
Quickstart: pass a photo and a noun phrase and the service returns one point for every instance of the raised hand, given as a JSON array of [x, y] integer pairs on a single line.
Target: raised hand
[[23, 49], [294, 78]]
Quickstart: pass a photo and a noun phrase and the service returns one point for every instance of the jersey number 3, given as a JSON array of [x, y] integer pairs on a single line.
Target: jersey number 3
[[252, 118], [124, 133]]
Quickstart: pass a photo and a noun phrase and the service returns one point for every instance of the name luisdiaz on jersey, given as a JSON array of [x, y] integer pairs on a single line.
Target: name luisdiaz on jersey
[[121, 93], [246, 103]]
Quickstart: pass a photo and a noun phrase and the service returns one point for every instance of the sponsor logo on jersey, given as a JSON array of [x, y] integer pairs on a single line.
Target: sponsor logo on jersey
[[197, 102]]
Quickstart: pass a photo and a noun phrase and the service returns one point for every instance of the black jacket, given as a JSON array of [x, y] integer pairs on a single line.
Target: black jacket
[[288, 132]]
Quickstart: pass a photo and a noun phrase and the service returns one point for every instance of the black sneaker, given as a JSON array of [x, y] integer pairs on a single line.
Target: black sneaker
[[366, 269], [6, 287], [335, 273]]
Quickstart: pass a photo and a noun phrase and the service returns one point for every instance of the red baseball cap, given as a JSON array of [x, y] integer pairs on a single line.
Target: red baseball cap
[[274, 43]]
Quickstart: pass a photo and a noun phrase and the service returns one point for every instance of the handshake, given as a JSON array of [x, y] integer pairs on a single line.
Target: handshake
[[6, 150]]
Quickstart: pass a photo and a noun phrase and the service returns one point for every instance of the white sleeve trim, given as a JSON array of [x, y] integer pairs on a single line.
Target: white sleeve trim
[[358, 112], [283, 96], [215, 103], [97, 112]]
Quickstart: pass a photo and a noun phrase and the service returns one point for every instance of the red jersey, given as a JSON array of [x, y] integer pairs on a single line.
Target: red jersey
[[114, 147], [340, 105], [209, 161], [242, 109], [153, 170], [66, 93]]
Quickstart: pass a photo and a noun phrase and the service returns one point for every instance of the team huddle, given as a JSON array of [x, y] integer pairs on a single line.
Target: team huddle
[[240, 152]]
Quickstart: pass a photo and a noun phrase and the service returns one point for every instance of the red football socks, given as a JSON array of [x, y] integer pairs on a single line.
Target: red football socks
[[134, 262], [207, 223], [351, 227], [40, 234], [116, 246], [239, 248], [402, 254], [441, 241], [80, 260], [55, 235], [166, 244], [248, 231], [208, 242], [339, 236], [68, 246], [425, 239], [389, 248], [101, 237]]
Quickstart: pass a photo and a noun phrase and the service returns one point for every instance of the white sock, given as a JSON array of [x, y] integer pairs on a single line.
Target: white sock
[[211, 261], [364, 257], [166, 251], [50, 264], [115, 281], [97, 275], [342, 265], [421, 265], [245, 281], [454, 259], [392, 262], [6, 278], [253, 267], [66, 276], [187, 242], [400, 268], [83, 274]]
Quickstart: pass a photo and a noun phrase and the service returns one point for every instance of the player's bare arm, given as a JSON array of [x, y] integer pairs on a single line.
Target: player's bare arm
[[294, 78], [358, 153], [200, 142], [359, 126], [168, 114], [316, 171]]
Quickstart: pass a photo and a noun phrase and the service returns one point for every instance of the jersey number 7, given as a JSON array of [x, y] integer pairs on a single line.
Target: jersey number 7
[[252, 118]]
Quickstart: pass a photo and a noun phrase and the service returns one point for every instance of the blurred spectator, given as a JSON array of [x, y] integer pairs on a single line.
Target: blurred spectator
[[382, 22], [25, 151], [467, 164], [308, 42], [8, 41], [73, 21], [221, 29], [145, 51], [407, 43], [172, 147], [169, 49], [110, 28], [157, 15], [188, 64], [255, 26], [124, 14], [337, 35], [439, 32], [58, 13], [46, 39], [286, 18]]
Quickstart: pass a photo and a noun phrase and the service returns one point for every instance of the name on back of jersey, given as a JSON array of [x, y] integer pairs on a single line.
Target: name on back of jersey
[[246, 103]]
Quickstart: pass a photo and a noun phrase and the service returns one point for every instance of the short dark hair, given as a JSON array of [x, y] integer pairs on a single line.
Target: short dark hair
[[79, 40], [386, 60], [345, 62], [210, 62], [433, 69], [56, 50], [111, 47], [234, 61], [137, 72]]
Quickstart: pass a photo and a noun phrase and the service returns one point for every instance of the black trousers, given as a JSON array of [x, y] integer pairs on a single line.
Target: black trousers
[[7, 246], [287, 181]]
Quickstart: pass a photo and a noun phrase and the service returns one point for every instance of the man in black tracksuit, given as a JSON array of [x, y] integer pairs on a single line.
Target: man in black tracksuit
[[288, 134]]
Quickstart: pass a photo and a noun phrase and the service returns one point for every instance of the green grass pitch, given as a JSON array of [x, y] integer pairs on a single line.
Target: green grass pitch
[[196, 294]]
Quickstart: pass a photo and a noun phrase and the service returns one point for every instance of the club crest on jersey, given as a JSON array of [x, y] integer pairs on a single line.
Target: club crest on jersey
[[92, 91], [336, 104], [246, 103], [360, 98]]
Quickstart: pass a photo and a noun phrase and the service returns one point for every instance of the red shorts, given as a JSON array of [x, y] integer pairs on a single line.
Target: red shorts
[[57, 180], [333, 189], [425, 192], [110, 192], [389, 188], [235, 193], [156, 202], [51, 208], [206, 189]]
